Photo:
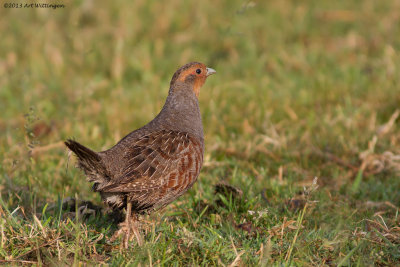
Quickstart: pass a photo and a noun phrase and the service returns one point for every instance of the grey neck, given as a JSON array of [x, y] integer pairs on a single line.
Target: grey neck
[[181, 111]]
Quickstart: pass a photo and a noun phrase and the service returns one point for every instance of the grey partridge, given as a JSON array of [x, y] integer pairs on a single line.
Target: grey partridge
[[155, 164]]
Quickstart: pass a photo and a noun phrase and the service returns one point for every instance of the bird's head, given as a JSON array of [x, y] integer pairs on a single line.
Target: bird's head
[[193, 74]]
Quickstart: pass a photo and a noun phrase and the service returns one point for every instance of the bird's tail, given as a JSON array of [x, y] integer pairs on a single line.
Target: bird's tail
[[89, 161]]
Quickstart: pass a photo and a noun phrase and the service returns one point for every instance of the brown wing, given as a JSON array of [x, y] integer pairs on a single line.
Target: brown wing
[[153, 160]]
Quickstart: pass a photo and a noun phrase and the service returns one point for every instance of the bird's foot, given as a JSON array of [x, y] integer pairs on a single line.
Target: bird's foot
[[135, 230], [125, 230]]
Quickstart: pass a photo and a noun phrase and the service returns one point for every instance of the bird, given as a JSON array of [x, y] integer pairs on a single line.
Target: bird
[[155, 164]]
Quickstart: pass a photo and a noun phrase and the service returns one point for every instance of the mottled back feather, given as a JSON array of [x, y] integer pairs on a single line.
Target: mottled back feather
[[152, 158]]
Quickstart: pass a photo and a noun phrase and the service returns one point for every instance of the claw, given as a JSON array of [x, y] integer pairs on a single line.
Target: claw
[[125, 229]]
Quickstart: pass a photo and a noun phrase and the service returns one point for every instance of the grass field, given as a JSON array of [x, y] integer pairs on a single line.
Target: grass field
[[303, 89]]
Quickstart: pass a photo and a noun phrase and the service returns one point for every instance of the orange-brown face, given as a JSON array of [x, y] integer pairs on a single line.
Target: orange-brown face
[[195, 73]]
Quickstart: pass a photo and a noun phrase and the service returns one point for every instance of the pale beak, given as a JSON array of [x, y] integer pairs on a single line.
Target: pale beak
[[210, 71]]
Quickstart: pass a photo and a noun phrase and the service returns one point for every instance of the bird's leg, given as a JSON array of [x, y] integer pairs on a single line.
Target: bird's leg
[[129, 224], [124, 227]]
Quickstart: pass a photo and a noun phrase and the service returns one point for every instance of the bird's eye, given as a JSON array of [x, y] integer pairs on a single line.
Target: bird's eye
[[198, 71]]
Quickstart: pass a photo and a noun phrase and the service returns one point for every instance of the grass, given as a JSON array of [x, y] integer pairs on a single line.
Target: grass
[[304, 89]]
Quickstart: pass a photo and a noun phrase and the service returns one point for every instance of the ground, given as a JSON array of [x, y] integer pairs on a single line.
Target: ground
[[301, 125]]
